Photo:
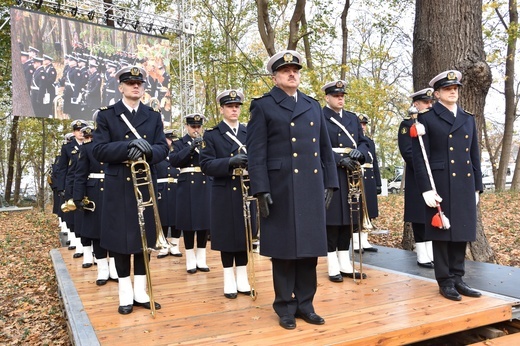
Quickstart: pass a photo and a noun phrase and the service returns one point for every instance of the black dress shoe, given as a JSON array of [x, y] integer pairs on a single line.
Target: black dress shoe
[[101, 282], [125, 309], [230, 295], [465, 290], [205, 270], [311, 318], [176, 254], [86, 265], [71, 247], [192, 271], [357, 251], [428, 265], [147, 305], [336, 278], [450, 293], [370, 249], [287, 322], [162, 255], [77, 255], [350, 275]]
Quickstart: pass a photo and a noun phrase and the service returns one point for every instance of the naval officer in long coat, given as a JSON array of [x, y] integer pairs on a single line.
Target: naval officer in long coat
[[117, 142], [350, 148], [293, 174], [451, 144], [223, 154]]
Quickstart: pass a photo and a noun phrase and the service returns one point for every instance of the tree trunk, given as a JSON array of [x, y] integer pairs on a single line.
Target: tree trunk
[[294, 24], [10, 159], [344, 38], [264, 26], [450, 37]]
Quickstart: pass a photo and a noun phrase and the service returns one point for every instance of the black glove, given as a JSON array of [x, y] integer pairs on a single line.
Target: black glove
[[348, 163], [197, 142], [239, 160], [356, 155], [79, 204], [61, 193], [328, 197], [134, 154], [378, 189], [143, 145], [264, 200]]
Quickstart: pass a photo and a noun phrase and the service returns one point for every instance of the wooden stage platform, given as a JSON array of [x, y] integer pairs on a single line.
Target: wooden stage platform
[[388, 308]]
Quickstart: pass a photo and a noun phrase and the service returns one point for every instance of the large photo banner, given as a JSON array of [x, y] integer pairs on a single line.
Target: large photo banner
[[65, 69]]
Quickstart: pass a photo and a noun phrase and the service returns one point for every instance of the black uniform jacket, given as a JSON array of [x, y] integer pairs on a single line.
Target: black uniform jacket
[[371, 179], [339, 210], [290, 157], [413, 201], [120, 231], [451, 144], [227, 213]]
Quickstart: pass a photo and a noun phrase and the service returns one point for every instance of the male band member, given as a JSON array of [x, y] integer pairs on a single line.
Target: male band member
[[71, 90], [413, 202], [37, 85], [110, 87], [349, 147], [192, 204], [167, 176], [223, 153], [66, 170], [451, 144], [28, 68], [371, 184], [48, 90], [125, 132], [89, 182], [93, 92], [293, 175]]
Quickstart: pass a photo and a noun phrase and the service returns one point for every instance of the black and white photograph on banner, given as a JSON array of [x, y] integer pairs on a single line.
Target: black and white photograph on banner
[[66, 68]]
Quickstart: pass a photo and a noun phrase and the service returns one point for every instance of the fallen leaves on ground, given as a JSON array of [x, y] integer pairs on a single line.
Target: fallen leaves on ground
[[30, 311]]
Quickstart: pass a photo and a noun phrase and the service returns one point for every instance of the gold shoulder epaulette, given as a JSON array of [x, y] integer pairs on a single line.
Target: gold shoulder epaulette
[[469, 113], [103, 108], [424, 110]]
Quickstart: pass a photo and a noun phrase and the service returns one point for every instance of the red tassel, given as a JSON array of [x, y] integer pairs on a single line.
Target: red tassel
[[437, 221], [413, 131]]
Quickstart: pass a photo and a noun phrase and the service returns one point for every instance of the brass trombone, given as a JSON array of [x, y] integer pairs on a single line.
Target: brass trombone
[[355, 193], [246, 206], [142, 177]]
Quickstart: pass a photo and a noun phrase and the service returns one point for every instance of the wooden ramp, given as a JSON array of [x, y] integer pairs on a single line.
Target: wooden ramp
[[388, 308]]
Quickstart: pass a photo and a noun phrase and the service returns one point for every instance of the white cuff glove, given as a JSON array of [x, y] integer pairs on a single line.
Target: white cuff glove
[[431, 198], [420, 129], [477, 197]]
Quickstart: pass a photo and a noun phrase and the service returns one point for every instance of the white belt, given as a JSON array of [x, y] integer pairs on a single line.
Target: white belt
[[96, 176], [167, 180], [190, 170], [240, 171], [342, 150], [35, 88], [367, 165]]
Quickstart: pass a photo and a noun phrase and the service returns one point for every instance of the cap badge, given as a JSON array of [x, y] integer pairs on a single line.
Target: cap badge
[[287, 57], [88, 131], [78, 123], [451, 76], [196, 118], [339, 84], [360, 117], [233, 94], [429, 93], [134, 71]]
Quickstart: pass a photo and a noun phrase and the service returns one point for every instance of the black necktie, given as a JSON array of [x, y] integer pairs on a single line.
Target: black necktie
[[133, 113]]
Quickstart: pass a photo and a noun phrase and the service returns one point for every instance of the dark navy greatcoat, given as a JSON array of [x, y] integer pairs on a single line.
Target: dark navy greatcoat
[[192, 203], [227, 213], [452, 148], [120, 230], [65, 175], [94, 91], [167, 191], [413, 201], [92, 188], [372, 179], [56, 207], [338, 213], [290, 157]]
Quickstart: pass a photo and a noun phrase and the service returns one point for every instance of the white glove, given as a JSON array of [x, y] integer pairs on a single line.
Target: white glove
[[477, 197], [421, 131], [431, 198]]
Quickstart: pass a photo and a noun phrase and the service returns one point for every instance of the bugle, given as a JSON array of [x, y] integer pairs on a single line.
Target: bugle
[[71, 206], [354, 181], [246, 206], [142, 178]]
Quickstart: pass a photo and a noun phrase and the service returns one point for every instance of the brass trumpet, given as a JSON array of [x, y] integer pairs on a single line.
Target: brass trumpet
[[71, 206], [246, 206], [142, 178]]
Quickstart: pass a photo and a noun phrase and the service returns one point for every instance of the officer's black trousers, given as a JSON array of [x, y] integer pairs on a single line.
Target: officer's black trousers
[[338, 238], [239, 258], [123, 264]]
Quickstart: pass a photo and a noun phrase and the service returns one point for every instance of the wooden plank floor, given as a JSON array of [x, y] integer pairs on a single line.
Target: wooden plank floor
[[386, 309]]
